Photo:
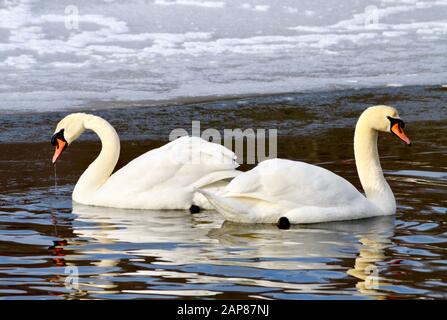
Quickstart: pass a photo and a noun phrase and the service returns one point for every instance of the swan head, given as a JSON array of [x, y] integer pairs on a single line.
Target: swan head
[[67, 131], [386, 119]]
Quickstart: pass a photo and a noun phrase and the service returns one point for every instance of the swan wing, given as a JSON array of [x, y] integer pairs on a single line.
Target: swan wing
[[184, 161], [293, 184], [179, 166]]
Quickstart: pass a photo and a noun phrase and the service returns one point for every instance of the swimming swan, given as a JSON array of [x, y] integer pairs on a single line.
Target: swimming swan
[[283, 191], [163, 178]]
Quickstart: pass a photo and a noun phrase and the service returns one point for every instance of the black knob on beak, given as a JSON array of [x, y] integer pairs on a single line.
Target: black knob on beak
[[59, 135]]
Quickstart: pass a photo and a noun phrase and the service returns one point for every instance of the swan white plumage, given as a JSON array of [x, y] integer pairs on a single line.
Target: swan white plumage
[[162, 178], [288, 191]]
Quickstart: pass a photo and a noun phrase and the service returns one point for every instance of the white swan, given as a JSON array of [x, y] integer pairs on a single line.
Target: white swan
[[284, 191], [163, 178]]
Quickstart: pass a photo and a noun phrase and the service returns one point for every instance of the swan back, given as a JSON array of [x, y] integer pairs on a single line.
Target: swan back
[[293, 184]]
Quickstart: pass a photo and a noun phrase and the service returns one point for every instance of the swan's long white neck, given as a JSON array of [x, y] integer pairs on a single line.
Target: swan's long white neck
[[99, 170], [376, 188]]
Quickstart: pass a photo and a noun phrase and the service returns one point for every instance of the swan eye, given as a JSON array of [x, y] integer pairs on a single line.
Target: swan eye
[[59, 135]]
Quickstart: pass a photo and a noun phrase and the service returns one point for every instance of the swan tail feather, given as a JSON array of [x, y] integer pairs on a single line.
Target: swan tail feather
[[227, 207], [214, 183]]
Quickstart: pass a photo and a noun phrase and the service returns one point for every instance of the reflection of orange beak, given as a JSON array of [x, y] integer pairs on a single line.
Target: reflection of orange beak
[[397, 130], [60, 147]]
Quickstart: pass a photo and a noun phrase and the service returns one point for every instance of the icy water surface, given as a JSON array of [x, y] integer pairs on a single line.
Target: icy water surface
[[142, 254], [63, 54]]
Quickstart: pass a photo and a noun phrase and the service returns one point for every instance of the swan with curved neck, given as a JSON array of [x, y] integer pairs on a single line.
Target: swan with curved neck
[[285, 191], [155, 180]]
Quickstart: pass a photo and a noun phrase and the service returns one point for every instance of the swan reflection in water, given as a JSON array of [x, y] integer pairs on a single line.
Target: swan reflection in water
[[169, 240]]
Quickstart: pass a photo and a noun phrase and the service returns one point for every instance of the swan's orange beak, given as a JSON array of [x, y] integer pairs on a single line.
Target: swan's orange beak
[[58, 140], [399, 132], [60, 147]]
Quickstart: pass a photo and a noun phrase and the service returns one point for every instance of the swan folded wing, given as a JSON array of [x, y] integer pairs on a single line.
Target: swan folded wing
[[180, 163], [203, 162], [292, 184], [196, 151]]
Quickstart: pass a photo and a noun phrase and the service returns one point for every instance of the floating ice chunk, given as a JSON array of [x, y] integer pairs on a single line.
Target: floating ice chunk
[[394, 85], [393, 34], [197, 3], [290, 9], [69, 65], [310, 29], [23, 61], [260, 7]]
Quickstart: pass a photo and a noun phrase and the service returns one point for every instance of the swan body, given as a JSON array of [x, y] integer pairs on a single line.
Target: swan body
[[296, 190], [304, 193], [162, 178]]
